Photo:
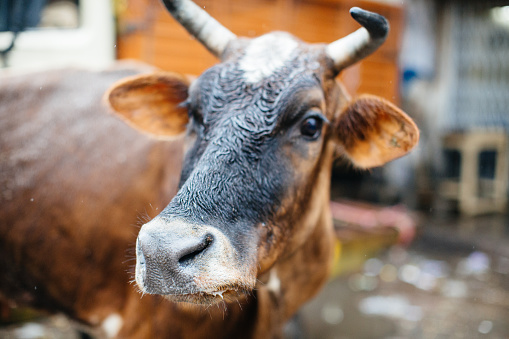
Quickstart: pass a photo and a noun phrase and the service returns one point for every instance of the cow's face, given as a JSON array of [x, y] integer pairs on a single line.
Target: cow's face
[[262, 129]]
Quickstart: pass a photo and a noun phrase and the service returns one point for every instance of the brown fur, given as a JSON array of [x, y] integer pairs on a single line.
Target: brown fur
[[74, 183], [373, 131], [162, 92]]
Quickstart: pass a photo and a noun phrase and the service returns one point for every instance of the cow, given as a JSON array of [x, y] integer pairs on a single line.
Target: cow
[[243, 234]]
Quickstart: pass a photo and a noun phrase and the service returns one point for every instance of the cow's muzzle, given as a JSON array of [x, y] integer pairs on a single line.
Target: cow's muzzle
[[189, 262]]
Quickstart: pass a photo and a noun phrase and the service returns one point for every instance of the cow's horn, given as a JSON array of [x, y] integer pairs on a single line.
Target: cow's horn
[[201, 25], [361, 43]]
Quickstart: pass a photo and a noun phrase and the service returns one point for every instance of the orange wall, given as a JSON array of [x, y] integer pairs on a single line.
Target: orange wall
[[148, 33]]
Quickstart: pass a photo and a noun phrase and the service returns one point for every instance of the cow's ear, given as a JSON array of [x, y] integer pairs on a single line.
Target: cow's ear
[[151, 103], [373, 131]]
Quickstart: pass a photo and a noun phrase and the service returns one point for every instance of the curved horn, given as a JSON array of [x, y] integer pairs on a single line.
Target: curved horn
[[201, 25], [361, 43]]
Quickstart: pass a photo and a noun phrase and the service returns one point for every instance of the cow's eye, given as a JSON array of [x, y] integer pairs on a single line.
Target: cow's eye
[[312, 127]]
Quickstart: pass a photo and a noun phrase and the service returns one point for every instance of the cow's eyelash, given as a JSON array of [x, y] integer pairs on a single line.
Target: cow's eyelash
[[192, 111], [320, 116], [305, 111]]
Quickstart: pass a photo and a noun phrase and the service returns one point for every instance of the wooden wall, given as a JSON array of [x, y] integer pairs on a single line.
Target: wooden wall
[[148, 33]]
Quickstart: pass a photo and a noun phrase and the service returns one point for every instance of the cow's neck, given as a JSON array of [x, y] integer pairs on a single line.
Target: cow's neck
[[159, 318], [296, 278]]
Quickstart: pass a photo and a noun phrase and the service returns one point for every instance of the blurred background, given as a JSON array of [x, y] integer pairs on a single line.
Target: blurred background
[[424, 241]]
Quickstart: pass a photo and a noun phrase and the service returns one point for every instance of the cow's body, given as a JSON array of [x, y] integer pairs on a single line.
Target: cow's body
[[60, 247], [248, 235], [62, 250]]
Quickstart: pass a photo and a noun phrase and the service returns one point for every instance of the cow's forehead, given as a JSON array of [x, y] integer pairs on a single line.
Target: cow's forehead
[[267, 54], [276, 53], [256, 84], [264, 66]]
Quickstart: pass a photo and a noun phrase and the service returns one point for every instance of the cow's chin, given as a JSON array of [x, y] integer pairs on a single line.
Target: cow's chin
[[208, 298]]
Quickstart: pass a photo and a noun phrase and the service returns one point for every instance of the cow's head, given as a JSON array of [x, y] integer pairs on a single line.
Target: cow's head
[[262, 129]]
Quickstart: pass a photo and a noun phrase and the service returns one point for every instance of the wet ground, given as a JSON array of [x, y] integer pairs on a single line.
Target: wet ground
[[452, 282], [41, 327]]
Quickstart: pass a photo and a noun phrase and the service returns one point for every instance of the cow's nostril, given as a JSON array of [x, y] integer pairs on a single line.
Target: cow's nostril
[[188, 254]]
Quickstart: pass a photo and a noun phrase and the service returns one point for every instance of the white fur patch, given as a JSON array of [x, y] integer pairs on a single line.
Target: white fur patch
[[274, 284], [267, 54], [112, 325]]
